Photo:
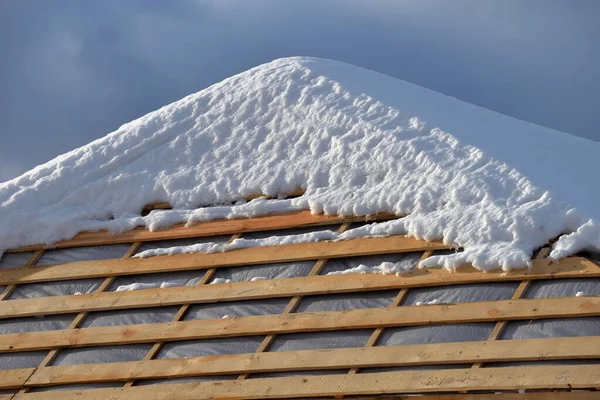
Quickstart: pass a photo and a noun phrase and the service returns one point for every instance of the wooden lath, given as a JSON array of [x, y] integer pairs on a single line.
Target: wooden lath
[[186, 262], [325, 359], [575, 267], [305, 322], [166, 206], [505, 378], [296, 219]]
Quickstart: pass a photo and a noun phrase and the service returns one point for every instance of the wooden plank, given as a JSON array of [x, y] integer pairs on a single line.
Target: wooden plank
[[182, 310], [295, 301], [32, 261], [166, 206], [305, 322], [79, 318], [519, 293], [212, 228], [560, 394], [184, 262], [575, 267], [325, 359], [14, 378], [505, 378]]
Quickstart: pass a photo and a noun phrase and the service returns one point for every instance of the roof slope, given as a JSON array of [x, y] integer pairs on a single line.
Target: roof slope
[[358, 142]]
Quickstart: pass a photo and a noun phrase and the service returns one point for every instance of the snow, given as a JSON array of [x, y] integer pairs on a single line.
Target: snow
[[385, 268], [357, 141], [428, 303], [140, 286], [212, 247]]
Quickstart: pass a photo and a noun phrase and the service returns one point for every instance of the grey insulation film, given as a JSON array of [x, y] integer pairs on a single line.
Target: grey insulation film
[[10, 260], [130, 317], [87, 253], [35, 324], [439, 333], [102, 354], [321, 340], [263, 271], [158, 280], [563, 288], [78, 386], [210, 347], [461, 293], [347, 301], [163, 244], [290, 231], [58, 288], [30, 359], [406, 260], [237, 309], [188, 379], [549, 328]]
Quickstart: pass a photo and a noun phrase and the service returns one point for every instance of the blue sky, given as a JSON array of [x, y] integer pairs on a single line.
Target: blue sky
[[72, 71]]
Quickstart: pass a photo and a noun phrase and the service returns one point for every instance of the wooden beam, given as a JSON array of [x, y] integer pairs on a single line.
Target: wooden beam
[[519, 293], [378, 332], [182, 311], [575, 267], [166, 206], [561, 394], [212, 228], [325, 359], [294, 301], [305, 322], [505, 378], [14, 378], [185, 262]]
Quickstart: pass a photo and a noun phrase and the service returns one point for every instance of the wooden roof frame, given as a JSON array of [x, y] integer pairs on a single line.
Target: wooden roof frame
[[459, 381]]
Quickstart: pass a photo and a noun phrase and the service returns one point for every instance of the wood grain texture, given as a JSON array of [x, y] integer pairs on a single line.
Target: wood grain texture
[[14, 378], [506, 378], [325, 359], [575, 267], [212, 228], [305, 322], [185, 262]]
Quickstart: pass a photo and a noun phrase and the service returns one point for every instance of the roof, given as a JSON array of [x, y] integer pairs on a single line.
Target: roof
[[203, 325], [356, 142], [262, 238]]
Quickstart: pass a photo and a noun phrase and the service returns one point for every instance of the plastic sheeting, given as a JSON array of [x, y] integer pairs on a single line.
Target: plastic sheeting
[[283, 342], [72, 254], [9, 260], [342, 264]]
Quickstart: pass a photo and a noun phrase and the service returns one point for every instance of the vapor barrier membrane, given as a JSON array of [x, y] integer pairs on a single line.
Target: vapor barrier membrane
[[29, 359], [87, 253], [283, 342], [9, 260]]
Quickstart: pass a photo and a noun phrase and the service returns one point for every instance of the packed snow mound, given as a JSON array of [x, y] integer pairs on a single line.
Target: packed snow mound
[[357, 141]]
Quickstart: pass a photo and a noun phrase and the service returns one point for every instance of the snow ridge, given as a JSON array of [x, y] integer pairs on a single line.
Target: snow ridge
[[287, 125]]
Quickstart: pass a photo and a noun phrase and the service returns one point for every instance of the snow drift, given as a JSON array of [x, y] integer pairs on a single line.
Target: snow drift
[[357, 141]]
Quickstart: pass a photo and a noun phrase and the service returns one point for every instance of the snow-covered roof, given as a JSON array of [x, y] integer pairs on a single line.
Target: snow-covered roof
[[356, 141]]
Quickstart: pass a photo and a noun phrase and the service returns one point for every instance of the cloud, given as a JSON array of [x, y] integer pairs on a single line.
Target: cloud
[[75, 71]]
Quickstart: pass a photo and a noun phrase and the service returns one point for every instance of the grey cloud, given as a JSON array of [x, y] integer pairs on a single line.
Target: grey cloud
[[73, 71]]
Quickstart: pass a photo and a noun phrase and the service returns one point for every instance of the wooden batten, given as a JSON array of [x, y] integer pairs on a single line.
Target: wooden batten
[[506, 378], [567, 307], [325, 359], [575, 267], [196, 261], [295, 219]]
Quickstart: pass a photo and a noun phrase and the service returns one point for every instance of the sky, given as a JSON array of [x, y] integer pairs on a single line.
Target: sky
[[72, 71]]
